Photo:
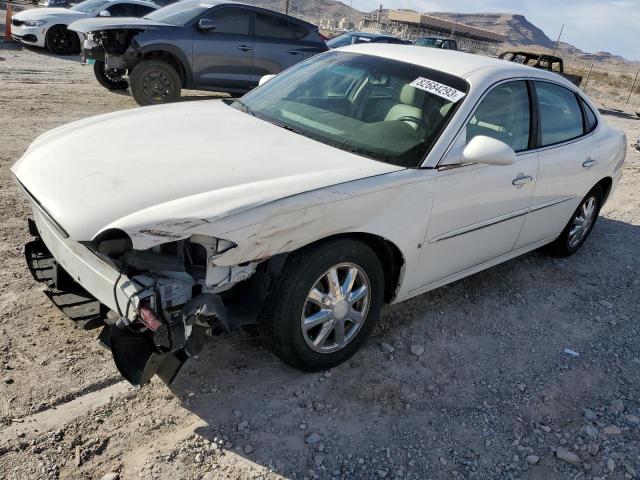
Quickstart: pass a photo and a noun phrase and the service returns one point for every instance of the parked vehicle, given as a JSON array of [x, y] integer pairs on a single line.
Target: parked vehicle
[[550, 63], [352, 38], [47, 27], [362, 176], [196, 44], [435, 42]]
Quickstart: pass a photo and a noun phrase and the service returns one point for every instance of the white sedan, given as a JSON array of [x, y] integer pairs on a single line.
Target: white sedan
[[47, 27], [361, 177]]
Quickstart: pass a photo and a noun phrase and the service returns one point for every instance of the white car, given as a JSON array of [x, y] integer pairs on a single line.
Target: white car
[[47, 27], [364, 176]]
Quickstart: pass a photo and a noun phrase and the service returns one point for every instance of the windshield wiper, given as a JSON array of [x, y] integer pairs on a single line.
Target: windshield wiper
[[245, 108]]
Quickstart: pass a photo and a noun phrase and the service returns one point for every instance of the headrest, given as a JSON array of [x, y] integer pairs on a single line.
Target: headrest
[[409, 95]]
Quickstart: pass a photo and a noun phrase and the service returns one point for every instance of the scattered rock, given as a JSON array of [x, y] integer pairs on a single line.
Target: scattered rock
[[632, 418], [382, 473], [313, 438], [7, 380], [612, 430], [590, 415], [443, 462], [237, 413], [591, 431], [593, 449], [248, 449], [111, 476], [611, 465], [198, 458], [533, 459], [605, 304], [387, 348], [630, 470], [545, 428], [243, 425], [567, 456], [617, 406], [417, 350]]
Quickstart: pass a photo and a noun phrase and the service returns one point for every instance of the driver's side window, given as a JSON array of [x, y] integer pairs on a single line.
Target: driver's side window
[[503, 114], [232, 21]]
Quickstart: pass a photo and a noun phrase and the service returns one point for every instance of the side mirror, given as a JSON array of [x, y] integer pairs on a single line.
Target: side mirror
[[489, 151], [206, 25], [264, 79], [104, 13]]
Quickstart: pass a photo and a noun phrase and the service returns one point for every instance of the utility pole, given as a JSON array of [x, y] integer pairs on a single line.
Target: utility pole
[[558, 41], [584, 89], [286, 7], [633, 86]]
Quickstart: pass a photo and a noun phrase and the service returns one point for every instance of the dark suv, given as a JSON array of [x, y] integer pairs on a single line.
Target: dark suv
[[195, 44]]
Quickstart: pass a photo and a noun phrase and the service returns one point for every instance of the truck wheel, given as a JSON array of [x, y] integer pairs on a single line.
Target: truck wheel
[[109, 79], [324, 304], [153, 82], [62, 41]]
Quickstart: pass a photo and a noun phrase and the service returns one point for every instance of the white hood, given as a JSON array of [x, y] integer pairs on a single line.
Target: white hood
[[193, 160], [59, 15]]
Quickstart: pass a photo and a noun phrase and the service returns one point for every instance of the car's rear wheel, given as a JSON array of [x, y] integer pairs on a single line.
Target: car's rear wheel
[[580, 225], [108, 78], [62, 41], [324, 304], [153, 82]]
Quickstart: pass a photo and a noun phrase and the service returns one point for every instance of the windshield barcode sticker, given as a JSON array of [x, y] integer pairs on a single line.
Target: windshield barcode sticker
[[439, 89]]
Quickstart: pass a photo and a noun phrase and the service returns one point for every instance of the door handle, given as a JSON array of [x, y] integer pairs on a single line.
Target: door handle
[[522, 180], [244, 48], [294, 52], [589, 163]]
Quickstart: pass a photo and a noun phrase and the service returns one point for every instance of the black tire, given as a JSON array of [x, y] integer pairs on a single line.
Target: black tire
[[154, 82], [108, 78], [61, 41], [565, 245], [281, 320]]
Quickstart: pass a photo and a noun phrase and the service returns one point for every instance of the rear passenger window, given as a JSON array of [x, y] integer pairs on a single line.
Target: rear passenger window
[[560, 114], [234, 21], [271, 27], [591, 120], [504, 115], [298, 31]]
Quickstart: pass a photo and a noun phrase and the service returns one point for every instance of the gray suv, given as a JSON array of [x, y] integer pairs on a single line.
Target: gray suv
[[195, 44]]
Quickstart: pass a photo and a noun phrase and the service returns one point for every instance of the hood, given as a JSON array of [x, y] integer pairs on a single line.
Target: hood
[[50, 13], [102, 23], [193, 160]]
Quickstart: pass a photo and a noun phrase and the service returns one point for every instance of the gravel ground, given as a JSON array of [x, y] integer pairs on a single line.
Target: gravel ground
[[468, 381]]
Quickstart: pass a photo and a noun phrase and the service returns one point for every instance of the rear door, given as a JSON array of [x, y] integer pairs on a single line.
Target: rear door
[[279, 44], [223, 57]]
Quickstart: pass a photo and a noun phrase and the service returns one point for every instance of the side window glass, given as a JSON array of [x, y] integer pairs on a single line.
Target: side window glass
[[560, 115], [592, 121], [142, 10], [234, 21], [271, 26], [119, 10], [298, 31], [504, 115]]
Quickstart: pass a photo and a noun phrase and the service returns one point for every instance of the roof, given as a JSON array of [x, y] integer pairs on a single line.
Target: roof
[[454, 62]]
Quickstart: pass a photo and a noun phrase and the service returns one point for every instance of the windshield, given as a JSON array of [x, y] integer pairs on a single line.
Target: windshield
[[180, 13], [90, 6], [428, 42], [346, 39], [380, 108]]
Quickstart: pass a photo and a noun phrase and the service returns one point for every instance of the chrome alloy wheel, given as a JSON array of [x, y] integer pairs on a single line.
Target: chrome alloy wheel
[[335, 308], [582, 221]]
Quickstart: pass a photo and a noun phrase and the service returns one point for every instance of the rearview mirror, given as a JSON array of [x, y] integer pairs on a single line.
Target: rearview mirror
[[264, 79], [104, 13], [206, 25], [488, 151]]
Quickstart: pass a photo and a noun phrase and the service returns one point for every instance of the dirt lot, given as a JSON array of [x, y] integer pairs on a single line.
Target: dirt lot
[[493, 396]]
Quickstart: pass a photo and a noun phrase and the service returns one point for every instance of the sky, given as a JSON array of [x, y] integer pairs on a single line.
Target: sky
[[591, 25]]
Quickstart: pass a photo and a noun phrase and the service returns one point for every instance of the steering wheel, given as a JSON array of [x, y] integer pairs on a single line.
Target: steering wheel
[[416, 120]]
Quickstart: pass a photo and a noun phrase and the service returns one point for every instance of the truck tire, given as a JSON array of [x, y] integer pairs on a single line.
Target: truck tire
[[154, 82], [107, 78]]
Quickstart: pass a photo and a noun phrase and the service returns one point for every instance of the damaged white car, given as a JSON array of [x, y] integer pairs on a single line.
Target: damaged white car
[[361, 177]]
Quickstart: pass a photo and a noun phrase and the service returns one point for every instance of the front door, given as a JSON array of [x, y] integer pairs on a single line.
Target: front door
[[479, 210], [223, 56]]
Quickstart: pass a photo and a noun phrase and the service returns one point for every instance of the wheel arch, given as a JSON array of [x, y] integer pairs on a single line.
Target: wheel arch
[[606, 183], [171, 55]]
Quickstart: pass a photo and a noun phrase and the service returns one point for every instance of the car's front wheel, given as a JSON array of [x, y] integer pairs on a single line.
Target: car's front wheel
[[62, 41], [109, 79], [580, 225], [153, 82], [324, 304]]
